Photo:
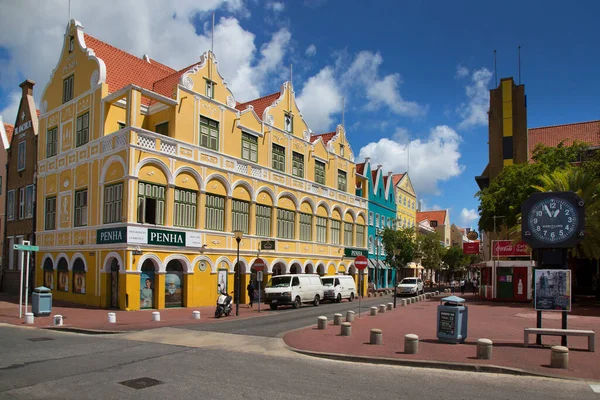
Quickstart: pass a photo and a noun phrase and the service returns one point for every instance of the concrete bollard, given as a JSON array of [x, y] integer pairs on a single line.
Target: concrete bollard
[[337, 319], [403, 302], [380, 294], [484, 349], [390, 306], [58, 320], [346, 329], [112, 318], [381, 308], [559, 357], [29, 318], [373, 311], [350, 316], [411, 343], [322, 322], [413, 300], [196, 314], [376, 336], [156, 316]]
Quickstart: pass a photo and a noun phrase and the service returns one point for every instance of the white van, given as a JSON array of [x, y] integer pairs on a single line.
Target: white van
[[338, 287], [294, 290]]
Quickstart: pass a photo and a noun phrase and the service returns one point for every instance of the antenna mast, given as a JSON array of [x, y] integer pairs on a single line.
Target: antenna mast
[[519, 64], [495, 69]]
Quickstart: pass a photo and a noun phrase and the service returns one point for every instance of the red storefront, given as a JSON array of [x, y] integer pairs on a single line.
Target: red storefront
[[508, 280]]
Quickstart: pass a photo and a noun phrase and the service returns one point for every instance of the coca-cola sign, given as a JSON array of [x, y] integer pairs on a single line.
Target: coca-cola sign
[[507, 248]]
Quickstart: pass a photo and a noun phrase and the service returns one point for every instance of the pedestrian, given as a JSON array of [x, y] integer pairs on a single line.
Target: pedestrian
[[250, 289], [452, 285], [463, 285], [475, 286]]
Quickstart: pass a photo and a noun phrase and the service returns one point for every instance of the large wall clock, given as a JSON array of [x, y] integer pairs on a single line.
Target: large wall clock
[[553, 220]]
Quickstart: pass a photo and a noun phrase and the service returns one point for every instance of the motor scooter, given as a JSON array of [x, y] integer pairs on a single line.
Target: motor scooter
[[223, 305]]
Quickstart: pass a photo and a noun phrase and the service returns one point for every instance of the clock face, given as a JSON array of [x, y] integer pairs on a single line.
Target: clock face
[[553, 220]]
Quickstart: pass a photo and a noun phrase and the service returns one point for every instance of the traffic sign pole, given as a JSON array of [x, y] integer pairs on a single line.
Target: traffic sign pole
[[360, 263], [26, 246]]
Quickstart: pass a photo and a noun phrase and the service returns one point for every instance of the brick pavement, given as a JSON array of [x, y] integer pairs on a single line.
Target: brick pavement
[[94, 319], [501, 322]]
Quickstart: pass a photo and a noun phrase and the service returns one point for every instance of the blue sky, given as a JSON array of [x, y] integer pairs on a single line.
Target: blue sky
[[410, 72]]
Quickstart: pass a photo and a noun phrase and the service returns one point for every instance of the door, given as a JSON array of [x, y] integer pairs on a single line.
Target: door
[[114, 284], [174, 284], [520, 287], [505, 283], [297, 289]]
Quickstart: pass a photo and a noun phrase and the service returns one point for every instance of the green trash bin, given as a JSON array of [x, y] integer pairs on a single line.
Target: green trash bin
[[41, 301]]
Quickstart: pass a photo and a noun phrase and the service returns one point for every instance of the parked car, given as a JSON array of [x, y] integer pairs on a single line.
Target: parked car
[[294, 290], [410, 286], [338, 287]]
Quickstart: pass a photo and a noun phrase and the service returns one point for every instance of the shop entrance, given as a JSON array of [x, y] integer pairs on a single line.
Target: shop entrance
[[295, 269], [505, 283], [321, 270], [278, 269], [147, 283], [174, 284], [243, 283], [114, 284]]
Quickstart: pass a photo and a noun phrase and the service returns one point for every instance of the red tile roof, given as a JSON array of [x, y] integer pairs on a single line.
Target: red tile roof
[[123, 69], [9, 132], [259, 104], [373, 176], [588, 132], [360, 168], [385, 180], [439, 216], [325, 137], [166, 85], [397, 178]]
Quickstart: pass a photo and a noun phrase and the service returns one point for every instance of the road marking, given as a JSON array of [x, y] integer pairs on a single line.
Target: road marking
[[595, 388]]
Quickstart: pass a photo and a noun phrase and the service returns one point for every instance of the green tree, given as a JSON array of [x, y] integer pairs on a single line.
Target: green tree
[[403, 240], [454, 259], [430, 250]]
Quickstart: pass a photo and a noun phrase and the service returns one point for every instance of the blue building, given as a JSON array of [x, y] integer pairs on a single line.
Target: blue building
[[382, 214]]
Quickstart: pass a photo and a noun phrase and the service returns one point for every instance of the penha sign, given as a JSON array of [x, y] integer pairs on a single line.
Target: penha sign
[[507, 248]]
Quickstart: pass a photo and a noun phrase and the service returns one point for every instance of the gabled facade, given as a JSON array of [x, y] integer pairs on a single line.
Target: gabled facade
[[406, 201], [379, 190], [155, 168], [20, 203], [438, 220], [458, 236], [6, 132]]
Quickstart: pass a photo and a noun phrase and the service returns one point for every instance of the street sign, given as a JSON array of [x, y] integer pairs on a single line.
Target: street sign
[[259, 276], [361, 262], [258, 265], [26, 248], [267, 245]]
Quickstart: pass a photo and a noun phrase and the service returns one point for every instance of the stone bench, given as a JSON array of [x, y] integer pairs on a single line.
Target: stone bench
[[561, 332]]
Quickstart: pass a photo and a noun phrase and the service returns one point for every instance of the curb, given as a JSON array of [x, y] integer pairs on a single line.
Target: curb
[[84, 331], [485, 368]]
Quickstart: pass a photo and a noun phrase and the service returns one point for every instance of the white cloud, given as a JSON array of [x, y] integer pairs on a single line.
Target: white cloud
[[131, 26], [400, 135], [320, 99], [9, 113], [311, 50], [461, 72], [364, 73], [474, 112], [276, 6], [442, 145], [467, 217]]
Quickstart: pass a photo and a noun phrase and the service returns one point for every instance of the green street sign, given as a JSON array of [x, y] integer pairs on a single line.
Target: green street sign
[[111, 235], [26, 248], [166, 238], [353, 253], [267, 245]]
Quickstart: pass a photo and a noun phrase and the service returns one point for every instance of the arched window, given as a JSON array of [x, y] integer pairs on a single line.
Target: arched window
[[63, 275], [48, 274], [79, 276]]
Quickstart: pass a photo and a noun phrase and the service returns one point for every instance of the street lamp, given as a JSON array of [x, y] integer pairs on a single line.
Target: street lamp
[[396, 254], [238, 238]]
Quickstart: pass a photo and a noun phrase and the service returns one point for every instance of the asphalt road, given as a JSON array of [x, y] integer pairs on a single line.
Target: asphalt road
[[287, 318], [72, 366]]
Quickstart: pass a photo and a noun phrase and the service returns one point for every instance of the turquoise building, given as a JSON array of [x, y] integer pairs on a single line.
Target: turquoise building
[[381, 214]]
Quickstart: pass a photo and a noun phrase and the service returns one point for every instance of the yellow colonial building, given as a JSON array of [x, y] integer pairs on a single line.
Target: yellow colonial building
[[145, 172], [406, 201]]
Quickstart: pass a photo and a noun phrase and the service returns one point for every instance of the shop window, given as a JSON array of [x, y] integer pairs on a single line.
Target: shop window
[[63, 275], [48, 274], [215, 212], [184, 214], [79, 276], [151, 203]]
